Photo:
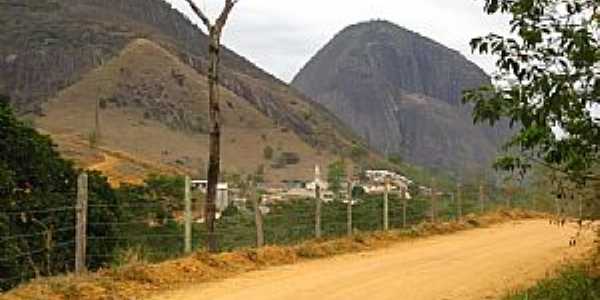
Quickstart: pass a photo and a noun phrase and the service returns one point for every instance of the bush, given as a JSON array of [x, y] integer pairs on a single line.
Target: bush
[[268, 152], [103, 103], [358, 152], [289, 158], [37, 211]]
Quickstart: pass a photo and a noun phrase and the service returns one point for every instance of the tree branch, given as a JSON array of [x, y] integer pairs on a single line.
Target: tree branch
[[220, 23], [200, 13], [588, 176]]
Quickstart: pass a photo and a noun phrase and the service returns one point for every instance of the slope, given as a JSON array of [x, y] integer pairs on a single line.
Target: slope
[[402, 92], [153, 118]]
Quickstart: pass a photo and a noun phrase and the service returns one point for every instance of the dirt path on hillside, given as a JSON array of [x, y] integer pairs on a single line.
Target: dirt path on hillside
[[107, 165], [476, 264]]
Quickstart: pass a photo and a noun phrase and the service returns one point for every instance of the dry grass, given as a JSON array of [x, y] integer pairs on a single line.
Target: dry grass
[[145, 145], [139, 280]]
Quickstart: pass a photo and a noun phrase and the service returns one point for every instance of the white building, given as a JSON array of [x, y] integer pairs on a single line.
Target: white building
[[222, 201]]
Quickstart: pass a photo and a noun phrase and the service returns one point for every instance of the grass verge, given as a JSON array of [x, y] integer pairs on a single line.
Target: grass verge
[[576, 282], [139, 280]]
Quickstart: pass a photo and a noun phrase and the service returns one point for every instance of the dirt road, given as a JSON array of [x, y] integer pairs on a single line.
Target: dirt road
[[476, 264]]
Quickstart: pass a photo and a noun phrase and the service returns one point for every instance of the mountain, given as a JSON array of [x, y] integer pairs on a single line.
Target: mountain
[[142, 65], [402, 93]]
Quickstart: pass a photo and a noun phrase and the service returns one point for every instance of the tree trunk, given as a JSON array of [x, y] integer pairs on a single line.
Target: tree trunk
[[214, 157], [214, 160]]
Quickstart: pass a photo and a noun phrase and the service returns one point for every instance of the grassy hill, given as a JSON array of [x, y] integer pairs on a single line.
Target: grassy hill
[[153, 118]]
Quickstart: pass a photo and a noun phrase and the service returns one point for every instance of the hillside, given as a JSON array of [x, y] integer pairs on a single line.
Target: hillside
[[144, 62], [161, 117], [402, 92]]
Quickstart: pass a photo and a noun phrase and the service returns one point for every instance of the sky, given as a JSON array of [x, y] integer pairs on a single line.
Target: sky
[[280, 36]]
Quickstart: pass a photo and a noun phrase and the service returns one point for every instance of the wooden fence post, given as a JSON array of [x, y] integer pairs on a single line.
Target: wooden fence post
[[318, 211], [509, 195], [481, 199], [433, 203], [580, 206], [404, 205], [81, 228], [386, 221], [459, 201], [258, 220], [188, 216], [349, 208], [317, 202]]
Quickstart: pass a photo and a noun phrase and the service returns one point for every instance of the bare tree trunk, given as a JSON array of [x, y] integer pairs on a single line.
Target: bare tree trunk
[[214, 158]]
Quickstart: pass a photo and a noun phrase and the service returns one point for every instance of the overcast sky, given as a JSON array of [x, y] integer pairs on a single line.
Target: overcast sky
[[280, 36]]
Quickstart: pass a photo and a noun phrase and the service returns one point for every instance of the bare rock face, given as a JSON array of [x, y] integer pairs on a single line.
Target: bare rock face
[[402, 93]]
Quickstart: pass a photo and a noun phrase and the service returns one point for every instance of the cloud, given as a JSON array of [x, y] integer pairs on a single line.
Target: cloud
[[281, 36]]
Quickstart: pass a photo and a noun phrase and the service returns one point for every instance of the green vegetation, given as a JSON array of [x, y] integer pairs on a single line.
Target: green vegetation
[[37, 205], [548, 78], [358, 152], [574, 283], [336, 174], [285, 159], [148, 232], [268, 152]]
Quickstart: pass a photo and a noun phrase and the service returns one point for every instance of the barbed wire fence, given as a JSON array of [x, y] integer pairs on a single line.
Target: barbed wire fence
[[94, 235], [36, 242]]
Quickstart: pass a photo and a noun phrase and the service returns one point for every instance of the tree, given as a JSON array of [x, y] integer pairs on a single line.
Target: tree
[[336, 174], [548, 77], [268, 152], [37, 199], [214, 161]]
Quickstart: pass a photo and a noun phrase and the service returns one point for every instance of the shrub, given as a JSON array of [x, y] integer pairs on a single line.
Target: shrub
[[289, 158], [38, 193], [268, 152]]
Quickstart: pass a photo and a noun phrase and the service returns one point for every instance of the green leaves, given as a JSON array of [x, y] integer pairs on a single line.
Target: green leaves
[[547, 78], [336, 174], [37, 199]]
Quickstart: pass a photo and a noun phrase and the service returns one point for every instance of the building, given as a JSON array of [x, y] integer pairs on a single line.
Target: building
[[376, 182], [378, 176], [222, 201]]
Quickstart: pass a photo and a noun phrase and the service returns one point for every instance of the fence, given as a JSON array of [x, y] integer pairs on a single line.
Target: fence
[[96, 234], [36, 242]]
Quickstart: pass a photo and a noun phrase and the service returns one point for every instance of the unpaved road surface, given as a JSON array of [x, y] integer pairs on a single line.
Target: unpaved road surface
[[475, 264]]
